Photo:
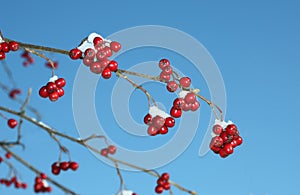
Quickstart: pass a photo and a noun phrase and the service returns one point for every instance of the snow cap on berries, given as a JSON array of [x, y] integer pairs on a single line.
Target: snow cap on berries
[[53, 79], [183, 93], [223, 124], [89, 42], [154, 111], [125, 192]]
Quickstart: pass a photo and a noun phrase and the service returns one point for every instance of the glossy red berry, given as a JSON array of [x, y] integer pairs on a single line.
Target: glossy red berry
[[97, 41], [195, 106], [172, 86], [217, 129], [115, 46], [165, 176], [13, 46], [178, 103], [175, 112], [5, 47], [228, 148], [51, 87], [239, 141], [107, 51], [158, 121], [112, 149], [60, 92], [2, 55], [190, 98], [12, 123], [147, 119], [215, 149], [185, 82], [73, 166], [231, 129], [43, 176], [106, 73], [24, 185], [222, 153], [113, 66], [166, 186], [75, 54], [152, 130], [216, 142], [55, 168], [87, 61], [95, 67], [163, 130], [54, 96], [89, 53], [186, 107], [64, 166], [164, 77], [163, 63], [170, 122], [104, 152], [159, 189], [167, 70], [43, 92], [61, 82]]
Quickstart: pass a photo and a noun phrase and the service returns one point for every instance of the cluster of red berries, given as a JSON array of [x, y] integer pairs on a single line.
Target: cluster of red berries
[[14, 92], [56, 167], [12, 123], [158, 124], [187, 102], [54, 89], [225, 139], [111, 149], [27, 58], [97, 56], [13, 180], [41, 185], [6, 47], [166, 70], [163, 183], [49, 65]]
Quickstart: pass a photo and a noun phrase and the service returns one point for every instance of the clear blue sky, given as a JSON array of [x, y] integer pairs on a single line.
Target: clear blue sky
[[256, 46]]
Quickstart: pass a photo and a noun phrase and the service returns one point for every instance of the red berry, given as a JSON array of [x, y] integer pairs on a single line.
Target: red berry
[[186, 107], [2, 55], [176, 113], [101, 55], [217, 129], [172, 86], [178, 103], [190, 98], [185, 82], [231, 129], [166, 186], [226, 138], [38, 180], [163, 130], [113, 66], [112, 149], [106, 73], [234, 143], [5, 47], [14, 46], [163, 63], [43, 176], [64, 166], [12, 123], [51, 87], [223, 154], [87, 61], [147, 119], [24, 185], [43, 92], [158, 121], [228, 148], [75, 54], [167, 70], [95, 67], [170, 122], [60, 92], [165, 176], [215, 149], [55, 168], [54, 96], [89, 53], [108, 51], [97, 41], [159, 189], [164, 77], [61, 82], [48, 189], [115, 46], [152, 130], [160, 181], [73, 166], [8, 155], [239, 141], [104, 152], [216, 142]]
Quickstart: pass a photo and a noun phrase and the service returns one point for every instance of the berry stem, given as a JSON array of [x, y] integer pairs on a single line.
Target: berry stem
[[32, 168]]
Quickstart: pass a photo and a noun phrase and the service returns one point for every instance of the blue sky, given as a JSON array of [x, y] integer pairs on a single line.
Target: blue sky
[[256, 47]]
